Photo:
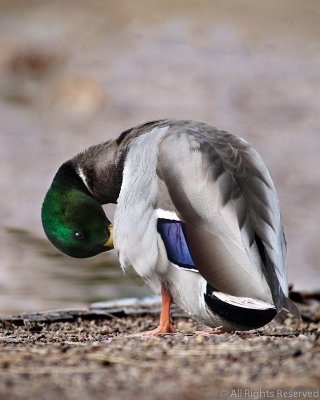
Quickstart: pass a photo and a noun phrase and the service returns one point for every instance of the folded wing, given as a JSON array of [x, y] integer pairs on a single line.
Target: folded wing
[[224, 193]]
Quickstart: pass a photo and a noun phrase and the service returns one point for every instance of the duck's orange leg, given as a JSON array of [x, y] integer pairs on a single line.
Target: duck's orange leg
[[166, 325]]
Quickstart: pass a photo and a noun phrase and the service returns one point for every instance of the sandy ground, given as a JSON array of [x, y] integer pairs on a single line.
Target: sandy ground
[[93, 356]]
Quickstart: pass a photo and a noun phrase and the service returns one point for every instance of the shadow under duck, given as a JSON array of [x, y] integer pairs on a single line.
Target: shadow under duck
[[197, 217]]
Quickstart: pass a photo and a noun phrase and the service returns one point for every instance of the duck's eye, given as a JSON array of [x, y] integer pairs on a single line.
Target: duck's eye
[[79, 235]]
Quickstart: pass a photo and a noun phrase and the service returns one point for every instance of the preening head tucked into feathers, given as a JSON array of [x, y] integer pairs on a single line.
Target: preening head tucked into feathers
[[197, 216], [72, 218]]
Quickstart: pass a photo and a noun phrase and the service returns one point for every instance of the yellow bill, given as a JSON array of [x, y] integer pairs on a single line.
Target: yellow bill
[[109, 242]]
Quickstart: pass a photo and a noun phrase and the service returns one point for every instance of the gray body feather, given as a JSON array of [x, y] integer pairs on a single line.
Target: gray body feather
[[224, 192]]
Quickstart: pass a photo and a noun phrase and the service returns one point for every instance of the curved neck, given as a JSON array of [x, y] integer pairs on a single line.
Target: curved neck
[[100, 168], [68, 178]]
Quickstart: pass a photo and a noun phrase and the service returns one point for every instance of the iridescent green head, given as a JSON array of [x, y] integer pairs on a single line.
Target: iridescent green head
[[72, 218]]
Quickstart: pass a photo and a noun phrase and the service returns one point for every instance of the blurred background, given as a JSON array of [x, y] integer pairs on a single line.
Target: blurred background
[[76, 73]]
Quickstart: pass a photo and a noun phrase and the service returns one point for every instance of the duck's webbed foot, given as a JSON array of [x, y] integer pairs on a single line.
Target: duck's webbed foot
[[160, 330]]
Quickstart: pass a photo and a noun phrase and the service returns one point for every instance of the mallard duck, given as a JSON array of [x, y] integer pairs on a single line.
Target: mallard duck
[[197, 217]]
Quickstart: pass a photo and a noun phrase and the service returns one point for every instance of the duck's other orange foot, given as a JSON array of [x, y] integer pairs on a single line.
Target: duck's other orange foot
[[209, 333]]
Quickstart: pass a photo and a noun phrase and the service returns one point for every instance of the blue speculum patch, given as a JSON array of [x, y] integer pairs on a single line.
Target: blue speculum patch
[[174, 239]]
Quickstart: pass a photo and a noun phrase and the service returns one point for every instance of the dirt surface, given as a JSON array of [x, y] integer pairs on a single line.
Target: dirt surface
[[94, 357]]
